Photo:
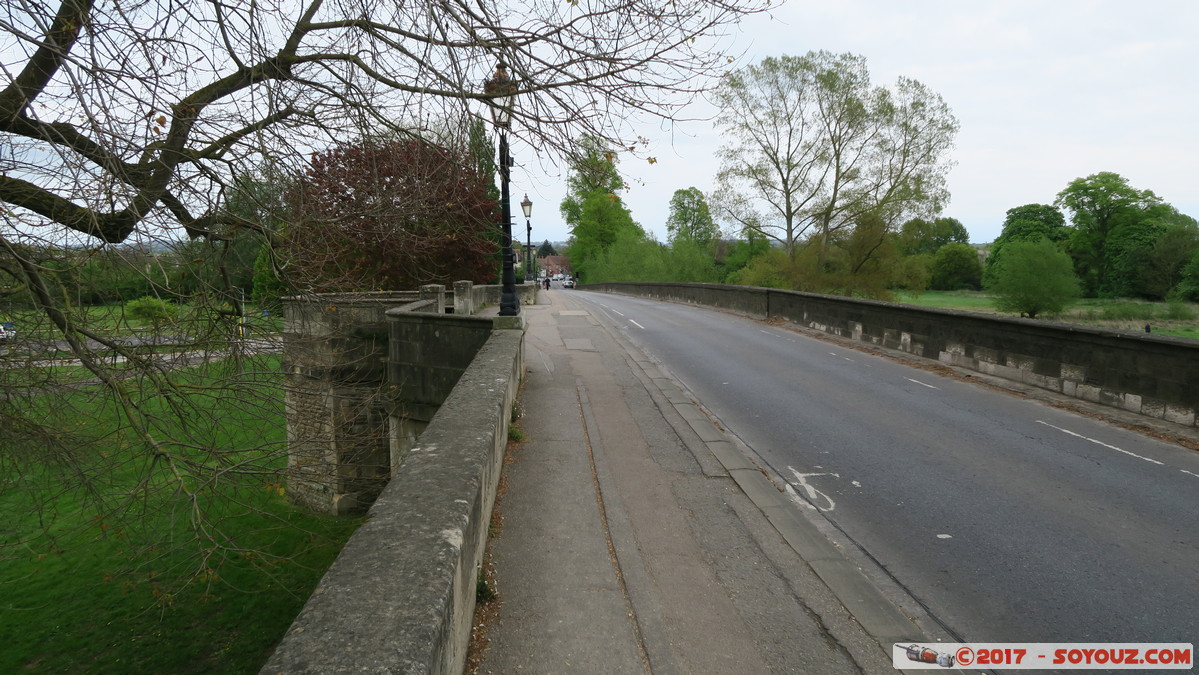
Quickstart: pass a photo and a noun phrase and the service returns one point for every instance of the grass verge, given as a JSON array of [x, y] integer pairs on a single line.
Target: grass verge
[[1177, 319], [180, 558]]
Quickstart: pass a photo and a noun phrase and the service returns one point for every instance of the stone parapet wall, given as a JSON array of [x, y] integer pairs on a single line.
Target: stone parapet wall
[[428, 353], [395, 406], [400, 597], [1152, 375], [490, 295]]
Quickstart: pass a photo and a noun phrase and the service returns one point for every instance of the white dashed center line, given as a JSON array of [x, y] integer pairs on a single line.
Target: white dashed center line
[[1112, 447]]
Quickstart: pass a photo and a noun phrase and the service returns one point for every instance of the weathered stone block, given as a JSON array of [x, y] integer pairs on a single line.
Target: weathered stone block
[[1113, 398], [400, 596], [1043, 381], [984, 354], [1073, 373], [1132, 402], [1153, 407], [1180, 415], [1019, 362]]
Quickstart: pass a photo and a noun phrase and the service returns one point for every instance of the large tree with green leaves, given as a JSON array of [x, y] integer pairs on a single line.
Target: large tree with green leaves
[[593, 209], [634, 256], [812, 146], [1028, 223], [601, 220], [1145, 256], [1101, 205], [593, 168], [1188, 285], [690, 218], [863, 260], [1034, 277], [733, 255], [546, 249], [1031, 222], [956, 267], [1160, 265], [918, 235]]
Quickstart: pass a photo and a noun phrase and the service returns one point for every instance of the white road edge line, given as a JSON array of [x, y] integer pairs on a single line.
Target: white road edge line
[[636, 324], [1196, 475], [1133, 454], [921, 383]]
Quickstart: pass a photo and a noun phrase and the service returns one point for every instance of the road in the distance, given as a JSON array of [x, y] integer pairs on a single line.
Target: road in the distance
[[1010, 520]]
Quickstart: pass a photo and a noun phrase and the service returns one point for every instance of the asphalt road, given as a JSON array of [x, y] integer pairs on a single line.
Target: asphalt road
[[1009, 520]]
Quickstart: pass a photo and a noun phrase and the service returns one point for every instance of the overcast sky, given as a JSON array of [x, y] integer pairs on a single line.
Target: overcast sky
[[1045, 92]]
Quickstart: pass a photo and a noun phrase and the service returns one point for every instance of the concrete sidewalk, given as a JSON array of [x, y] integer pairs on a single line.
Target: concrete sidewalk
[[638, 538]]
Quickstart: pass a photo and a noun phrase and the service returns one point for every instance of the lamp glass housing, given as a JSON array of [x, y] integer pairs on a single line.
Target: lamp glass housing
[[503, 92], [501, 113]]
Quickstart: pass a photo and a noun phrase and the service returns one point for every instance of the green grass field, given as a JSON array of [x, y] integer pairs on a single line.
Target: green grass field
[[113, 320], [966, 300], [124, 559], [1176, 319]]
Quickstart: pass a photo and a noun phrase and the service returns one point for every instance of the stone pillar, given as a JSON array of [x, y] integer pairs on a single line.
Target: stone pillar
[[335, 369], [463, 303], [436, 293], [351, 415]]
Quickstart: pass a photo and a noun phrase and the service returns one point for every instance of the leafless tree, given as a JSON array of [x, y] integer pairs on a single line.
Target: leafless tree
[[127, 128], [124, 116], [813, 146]]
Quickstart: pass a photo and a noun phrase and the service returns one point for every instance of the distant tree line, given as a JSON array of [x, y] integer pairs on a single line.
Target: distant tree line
[[828, 183]]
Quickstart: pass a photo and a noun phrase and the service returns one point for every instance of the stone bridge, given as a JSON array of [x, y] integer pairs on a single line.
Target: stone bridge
[[399, 403]]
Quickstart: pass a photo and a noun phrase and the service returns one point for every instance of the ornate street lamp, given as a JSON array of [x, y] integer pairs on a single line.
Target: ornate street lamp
[[502, 91], [527, 207]]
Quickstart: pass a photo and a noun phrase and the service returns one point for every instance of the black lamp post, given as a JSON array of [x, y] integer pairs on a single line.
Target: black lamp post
[[503, 91], [527, 207]]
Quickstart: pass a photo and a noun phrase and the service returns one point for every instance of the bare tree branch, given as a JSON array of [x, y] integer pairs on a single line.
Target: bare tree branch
[[120, 103]]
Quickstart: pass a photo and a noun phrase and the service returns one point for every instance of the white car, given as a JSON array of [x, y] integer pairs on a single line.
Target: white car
[[6, 333], [569, 283]]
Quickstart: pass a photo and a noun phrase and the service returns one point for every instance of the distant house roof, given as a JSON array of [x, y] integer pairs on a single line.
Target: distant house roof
[[556, 263]]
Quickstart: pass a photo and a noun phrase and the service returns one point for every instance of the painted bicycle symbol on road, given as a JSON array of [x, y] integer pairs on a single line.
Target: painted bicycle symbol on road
[[811, 497]]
